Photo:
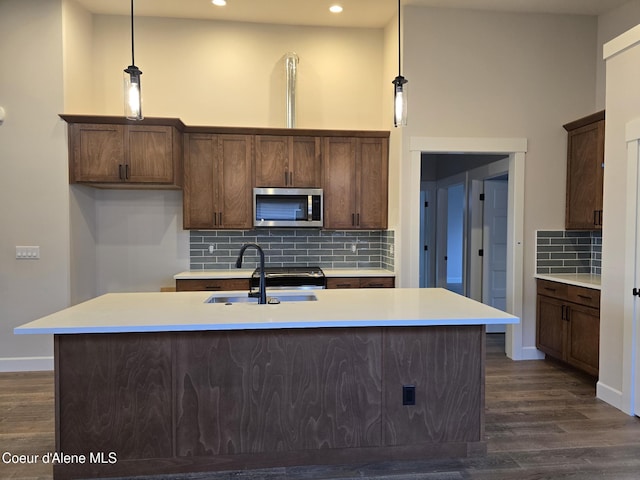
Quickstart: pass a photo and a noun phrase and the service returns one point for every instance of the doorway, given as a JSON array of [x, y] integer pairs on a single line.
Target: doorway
[[409, 264], [463, 237]]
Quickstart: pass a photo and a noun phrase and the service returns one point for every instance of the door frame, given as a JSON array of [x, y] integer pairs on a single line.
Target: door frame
[[630, 395], [409, 195]]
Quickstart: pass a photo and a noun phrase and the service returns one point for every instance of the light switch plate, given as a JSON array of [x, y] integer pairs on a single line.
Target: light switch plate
[[27, 253]]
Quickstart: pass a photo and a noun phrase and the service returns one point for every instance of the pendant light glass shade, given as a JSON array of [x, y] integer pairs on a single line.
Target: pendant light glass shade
[[399, 88], [399, 102], [132, 93]]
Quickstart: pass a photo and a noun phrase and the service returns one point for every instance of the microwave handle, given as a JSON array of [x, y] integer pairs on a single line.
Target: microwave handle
[[310, 208]]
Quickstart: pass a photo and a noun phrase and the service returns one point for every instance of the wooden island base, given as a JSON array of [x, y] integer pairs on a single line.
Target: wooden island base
[[177, 402]]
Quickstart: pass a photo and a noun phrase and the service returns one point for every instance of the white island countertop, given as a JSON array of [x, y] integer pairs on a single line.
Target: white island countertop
[[187, 311]]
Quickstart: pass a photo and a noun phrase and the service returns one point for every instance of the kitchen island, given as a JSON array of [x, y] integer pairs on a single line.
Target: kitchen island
[[160, 383]]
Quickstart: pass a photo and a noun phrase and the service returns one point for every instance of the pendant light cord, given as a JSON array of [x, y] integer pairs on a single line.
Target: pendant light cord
[[133, 61], [399, 48]]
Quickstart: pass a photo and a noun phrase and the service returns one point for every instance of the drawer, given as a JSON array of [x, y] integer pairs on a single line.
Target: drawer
[[212, 284], [584, 296], [552, 289], [343, 282], [377, 282]]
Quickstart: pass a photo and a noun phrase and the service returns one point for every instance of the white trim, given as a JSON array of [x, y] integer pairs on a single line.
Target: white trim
[[409, 271], [632, 130], [467, 145], [26, 364], [622, 42], [610, 395]]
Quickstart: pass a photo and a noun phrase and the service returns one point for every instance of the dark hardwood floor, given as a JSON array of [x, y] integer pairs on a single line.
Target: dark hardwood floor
[[542, 422]]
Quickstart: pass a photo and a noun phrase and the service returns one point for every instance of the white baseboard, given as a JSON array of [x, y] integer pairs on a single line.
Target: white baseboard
[[610, 395], [26, 364], [528, 353]]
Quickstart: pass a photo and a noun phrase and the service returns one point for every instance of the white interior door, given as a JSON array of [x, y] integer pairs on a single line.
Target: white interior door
[[494, 245]]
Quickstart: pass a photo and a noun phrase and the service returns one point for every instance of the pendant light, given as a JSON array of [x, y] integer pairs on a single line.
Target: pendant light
[[132, 92], [399, 89]]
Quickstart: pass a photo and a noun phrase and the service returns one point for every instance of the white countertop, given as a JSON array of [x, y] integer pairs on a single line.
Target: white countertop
[[246, 273], [579, 279], [186, 311]]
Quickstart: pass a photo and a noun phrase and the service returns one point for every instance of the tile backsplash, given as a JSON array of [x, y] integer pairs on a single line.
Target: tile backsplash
[[327, 249], [559, 251]]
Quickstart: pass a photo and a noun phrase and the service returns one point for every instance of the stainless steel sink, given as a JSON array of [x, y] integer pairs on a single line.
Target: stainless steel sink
[[273, 299]]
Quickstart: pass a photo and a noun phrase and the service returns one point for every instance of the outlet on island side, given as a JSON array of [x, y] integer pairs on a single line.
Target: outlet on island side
[[408, 395]]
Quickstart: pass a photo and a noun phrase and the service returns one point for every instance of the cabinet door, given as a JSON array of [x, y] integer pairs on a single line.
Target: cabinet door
[[550, 328], [272, 161], [585, 159], [372, 184], [339, 168], [150, 154], [583, 338], [199, 188], [98, 152], [234, 205], [305, 169]]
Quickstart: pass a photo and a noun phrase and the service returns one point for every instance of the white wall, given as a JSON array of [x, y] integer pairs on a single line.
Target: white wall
[[610, 25], [622, 105], [481, 74], [34, 191]]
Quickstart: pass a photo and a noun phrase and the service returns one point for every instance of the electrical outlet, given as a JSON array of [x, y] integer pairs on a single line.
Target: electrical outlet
[[27, 253], [408, 395], [354, 248], [211, 248]]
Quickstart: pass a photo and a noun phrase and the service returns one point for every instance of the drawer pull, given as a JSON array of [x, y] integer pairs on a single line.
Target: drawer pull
[[585, 297], [213, 287], [343, 285], [550, 289]]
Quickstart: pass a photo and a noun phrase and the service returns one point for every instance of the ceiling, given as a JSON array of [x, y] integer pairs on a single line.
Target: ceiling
[[357, 13]]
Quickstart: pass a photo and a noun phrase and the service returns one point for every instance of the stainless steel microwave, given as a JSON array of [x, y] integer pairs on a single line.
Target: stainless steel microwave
[[287, 207]]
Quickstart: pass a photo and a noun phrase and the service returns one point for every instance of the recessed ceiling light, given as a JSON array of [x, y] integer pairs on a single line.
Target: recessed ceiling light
[[219, 3], [335, 9]]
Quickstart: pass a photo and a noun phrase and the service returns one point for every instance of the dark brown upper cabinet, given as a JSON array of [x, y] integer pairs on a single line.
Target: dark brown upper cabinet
[[113, 152], [288, 161], [585, 164]]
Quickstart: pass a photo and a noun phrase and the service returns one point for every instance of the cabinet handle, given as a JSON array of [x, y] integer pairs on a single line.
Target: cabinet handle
[[595, 217], [550, 289], [286, 178], [357, 219], [375, 285], [291, 179], [120, 172], [215, 219], [220, 216], [126, 172], [600, 217], [212, 287], [353, 219], [343, 285], [585, 297]]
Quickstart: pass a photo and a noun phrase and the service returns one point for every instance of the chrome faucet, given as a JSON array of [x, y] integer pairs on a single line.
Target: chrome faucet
[[262, 291]]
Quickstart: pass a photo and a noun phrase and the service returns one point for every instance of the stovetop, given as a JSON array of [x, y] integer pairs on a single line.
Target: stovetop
[[290, 277], [291, 271]]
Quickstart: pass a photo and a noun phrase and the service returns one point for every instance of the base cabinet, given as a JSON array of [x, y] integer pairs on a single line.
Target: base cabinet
[[568, 324], [212, 284], [361, 282]]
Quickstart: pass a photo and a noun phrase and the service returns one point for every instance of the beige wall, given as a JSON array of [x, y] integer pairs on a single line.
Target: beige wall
[[610, 25], [480, 74], [224, 73], [34, 191]]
